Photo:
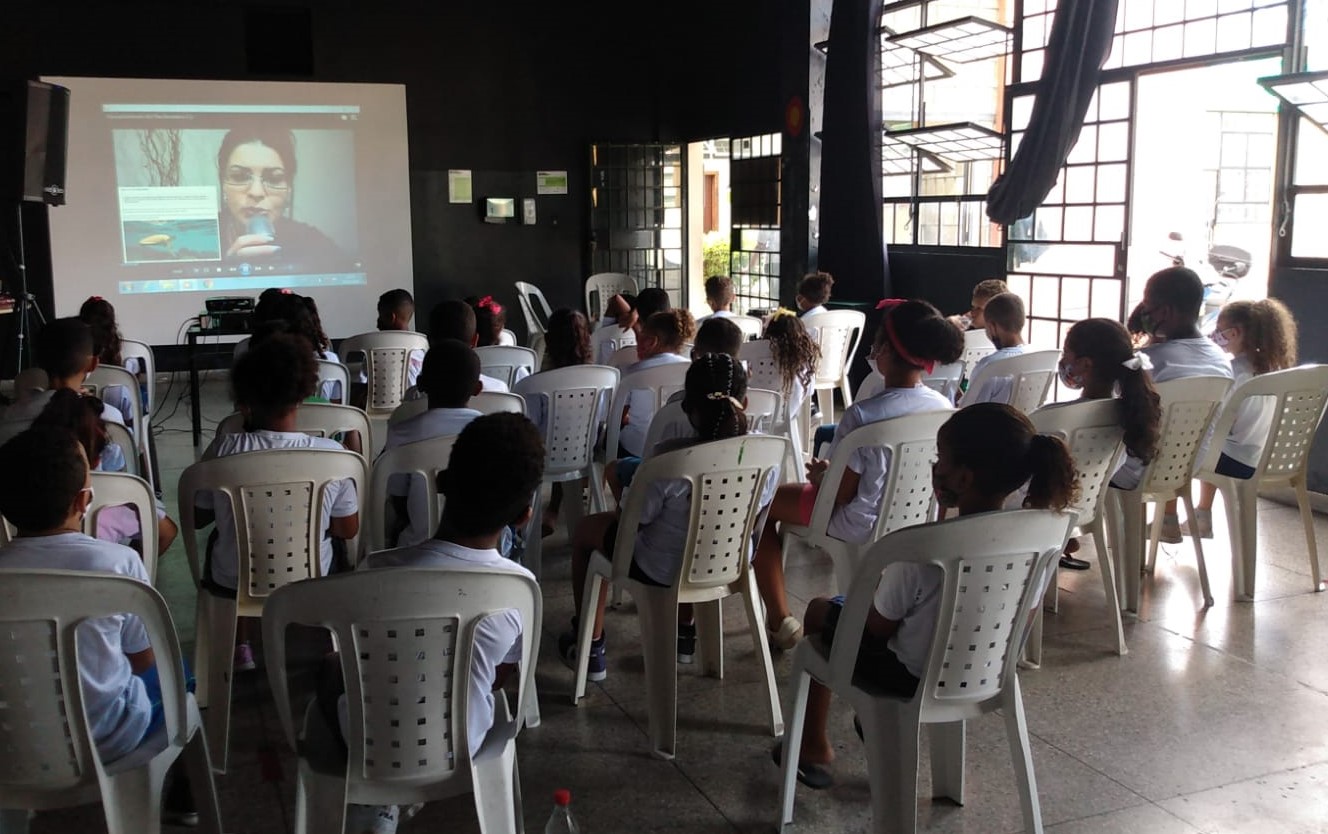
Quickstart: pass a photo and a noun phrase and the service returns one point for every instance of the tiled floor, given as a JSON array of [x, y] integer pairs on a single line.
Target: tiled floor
[[1214, 722]]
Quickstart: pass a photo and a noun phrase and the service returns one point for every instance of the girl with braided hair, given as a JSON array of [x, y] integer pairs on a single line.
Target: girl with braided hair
[[715, 402]]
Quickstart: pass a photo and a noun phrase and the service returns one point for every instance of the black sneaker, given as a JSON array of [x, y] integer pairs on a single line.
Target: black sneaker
[[686, 642], [596, 666], [1071, 563]]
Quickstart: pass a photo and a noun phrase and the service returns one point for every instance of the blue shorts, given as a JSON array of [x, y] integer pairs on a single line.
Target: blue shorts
[[152, 683], [627, 469]]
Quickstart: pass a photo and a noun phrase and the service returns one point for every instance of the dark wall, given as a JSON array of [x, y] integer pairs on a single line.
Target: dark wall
[[1304, 291], [945, 276], [503, 89]]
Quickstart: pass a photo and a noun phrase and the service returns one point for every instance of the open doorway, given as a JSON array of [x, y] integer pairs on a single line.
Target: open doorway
[[1205, 151], [708, 218]]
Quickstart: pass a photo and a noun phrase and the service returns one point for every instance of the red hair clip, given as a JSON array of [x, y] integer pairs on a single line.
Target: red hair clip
[[487, 303]]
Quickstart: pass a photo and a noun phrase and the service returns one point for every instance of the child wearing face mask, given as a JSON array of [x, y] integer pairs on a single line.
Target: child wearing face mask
[[983, 454]]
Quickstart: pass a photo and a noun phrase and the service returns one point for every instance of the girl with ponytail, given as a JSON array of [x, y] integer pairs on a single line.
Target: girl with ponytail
[[715, 401], [984, 453]]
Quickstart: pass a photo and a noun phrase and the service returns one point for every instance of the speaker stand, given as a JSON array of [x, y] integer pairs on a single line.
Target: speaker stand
[[24, 301]]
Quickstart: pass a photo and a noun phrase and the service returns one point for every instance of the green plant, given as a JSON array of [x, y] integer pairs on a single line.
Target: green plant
[[715, 252]]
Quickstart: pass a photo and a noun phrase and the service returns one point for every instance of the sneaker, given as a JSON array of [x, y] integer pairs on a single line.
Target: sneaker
[[686, 642], [372, 819], [1072, 563], [244, 658], [787, 635], [596, 666], [1170, 529], [1203, 522]]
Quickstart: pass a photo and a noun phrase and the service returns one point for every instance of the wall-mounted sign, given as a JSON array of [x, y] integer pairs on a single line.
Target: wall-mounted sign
[[550, 182]]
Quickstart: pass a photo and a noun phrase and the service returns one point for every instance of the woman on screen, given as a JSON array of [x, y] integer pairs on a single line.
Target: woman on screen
[[257, 166]]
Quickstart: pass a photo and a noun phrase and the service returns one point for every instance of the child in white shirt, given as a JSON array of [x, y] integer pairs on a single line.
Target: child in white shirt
[[1004, 316], [911, 338], [719, 297], [455, 319], [813, 293], [396, 311], [658, 343], [984, 453]]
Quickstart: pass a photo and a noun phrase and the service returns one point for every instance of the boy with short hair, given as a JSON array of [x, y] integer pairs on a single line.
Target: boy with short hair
[[1004, 318], [814, 292], [455, 319], [984, 292], [719, 296], [495, 468], [450, 377], [396, 308]]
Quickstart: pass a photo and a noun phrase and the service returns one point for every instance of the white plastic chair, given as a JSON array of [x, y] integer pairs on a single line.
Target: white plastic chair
[[114, 489], [751, 327], [727, 479], [662, 381], [120, 436], [406, 638], [976, 346], [1297, 397], [110, 376], [506, 337], [386, 365], [50, 757], [330, 375], [762, 372], [276, 499], [573, 400], [838, 333], [528, 296], [1093, 432], [624, 357], [1024, 380], [906, 500], [602, 286], [485, 402], [502, 362], [1189, 406], [873, 384], [763, 410], [317, 420], [425, 458], [606, 341], [994, 565], [944, 379], [142, 351]]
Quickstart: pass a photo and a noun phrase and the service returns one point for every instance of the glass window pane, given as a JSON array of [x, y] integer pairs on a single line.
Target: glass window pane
[[1079, 223], [1311, 154], [1075, 296], [1309, 219], [1106, 299], [1046, 296]]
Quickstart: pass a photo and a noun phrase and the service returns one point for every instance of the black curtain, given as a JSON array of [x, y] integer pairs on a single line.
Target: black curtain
[[852, 245], [1079, 44]]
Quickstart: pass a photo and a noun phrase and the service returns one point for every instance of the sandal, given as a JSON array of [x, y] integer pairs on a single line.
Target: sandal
[[813, 776]]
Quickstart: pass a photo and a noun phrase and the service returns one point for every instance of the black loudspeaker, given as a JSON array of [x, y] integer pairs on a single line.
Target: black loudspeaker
[[34, 139]]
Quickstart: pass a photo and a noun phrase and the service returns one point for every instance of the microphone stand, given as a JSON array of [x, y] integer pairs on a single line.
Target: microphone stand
[[25, 300]]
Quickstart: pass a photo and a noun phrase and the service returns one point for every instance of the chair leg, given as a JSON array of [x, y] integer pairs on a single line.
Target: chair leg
[[947, 760], [221, 643], [1198, 553], [891, 732], [1016, 728], [1033, 645], [1307, 519], [710, 637], [533, 556], [198, 765], [751, 599], [495, 792], [320, 802], [587, 632], [131, 800], [1051, 601], [1154, 537], [657, 612], [1106, 566], [1131, 528], [793, 744], [14, 821]]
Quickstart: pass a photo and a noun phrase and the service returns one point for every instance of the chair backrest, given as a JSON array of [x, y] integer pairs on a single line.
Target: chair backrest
[[1030, 376], [976, 346], [113, 376], [49, 748], [537, 317], [727, 478], [116, 489], [506, 337], [838, 333], [750, 326], [663, 381], [386, 364], [493, 402], [317, 420], [425, 458], [573, 398], [407, 648], [623, 357], [1188, 408], [142, 351], [1299, 397], [764, 413], [872, 384], [606, 341], [602, 286], [120, 436], [907, 498], [762, 371], [502, 361], [275, 496], [944, 379], [333, 372], [1092, 430], [994, 566]]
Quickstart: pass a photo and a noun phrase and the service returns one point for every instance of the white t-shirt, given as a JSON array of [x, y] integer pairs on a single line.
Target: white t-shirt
[[1175, 359], [641, 403], [487, 383], [718, 314], [606, 343], [436, 422], [115, 699], [329, 389], [910, 594], [1250, 431], [662, 536], [819, 308], [339, 499], [853, 522], [994, 389], [497, 637]]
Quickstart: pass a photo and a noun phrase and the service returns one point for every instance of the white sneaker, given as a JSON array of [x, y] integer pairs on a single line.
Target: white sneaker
[[372, 819], [1170, 530], [1203, 523]]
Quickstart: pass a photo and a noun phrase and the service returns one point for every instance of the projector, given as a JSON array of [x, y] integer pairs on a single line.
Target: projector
[[229, 304]]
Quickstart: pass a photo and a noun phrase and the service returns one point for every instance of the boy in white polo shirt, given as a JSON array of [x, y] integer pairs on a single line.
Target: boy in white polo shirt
[[495, 468], [1004, 324]]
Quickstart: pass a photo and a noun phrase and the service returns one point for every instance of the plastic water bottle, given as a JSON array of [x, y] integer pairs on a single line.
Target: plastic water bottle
[[561, 820]]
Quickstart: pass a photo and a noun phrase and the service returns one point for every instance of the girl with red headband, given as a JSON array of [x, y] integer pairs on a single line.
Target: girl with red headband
[[912, 338]]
